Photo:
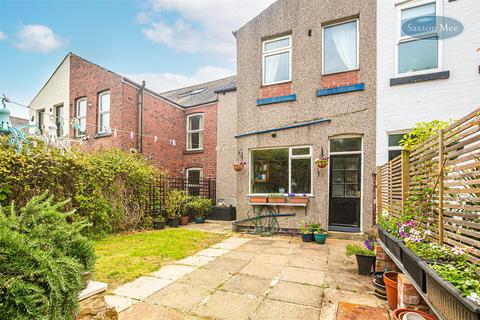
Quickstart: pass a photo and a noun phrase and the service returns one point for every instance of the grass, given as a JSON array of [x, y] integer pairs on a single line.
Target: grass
[[123, 257]]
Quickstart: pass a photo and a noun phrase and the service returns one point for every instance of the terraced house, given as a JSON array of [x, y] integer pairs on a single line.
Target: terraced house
[[306, 84]]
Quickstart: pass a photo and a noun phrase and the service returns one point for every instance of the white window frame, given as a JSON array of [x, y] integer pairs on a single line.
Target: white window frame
[[267, 53], [290, 157], [357, 67], [41, 123], [200, 130], [102, 113], [193, 185], [77, 132], [394, 148], [406, 38]]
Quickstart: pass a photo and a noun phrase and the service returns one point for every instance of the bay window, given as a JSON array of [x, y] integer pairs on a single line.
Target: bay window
[[277, 60], [282, 170], [417, 50], [195, 132], [81, 115], [340, 47], [104, 112]]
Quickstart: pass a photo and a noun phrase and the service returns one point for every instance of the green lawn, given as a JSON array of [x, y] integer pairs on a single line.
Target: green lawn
[[126, 256]]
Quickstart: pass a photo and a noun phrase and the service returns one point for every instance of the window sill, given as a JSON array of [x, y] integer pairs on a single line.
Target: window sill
[[420, 78], [338, 72], [275, 83], [102, 135], [200, 151], [277, 99]]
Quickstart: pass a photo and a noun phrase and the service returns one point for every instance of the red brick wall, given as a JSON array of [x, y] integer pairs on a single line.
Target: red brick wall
[[276, 90], [340, 79]]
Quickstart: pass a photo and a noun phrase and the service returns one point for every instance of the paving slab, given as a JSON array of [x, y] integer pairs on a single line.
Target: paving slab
[[350, 282], [348, 311], [146, 311], [297, 293], [247, 285], [181, 296], [302, 275], [223, 264], [262, 242], [142, 287], [237, 240], [212, 252], [279, 310], [261, 270], [228, 306], [120, 303], [206, 277], [173, 271], [274, 259], [196, 261], [227, 245], [315, 263]]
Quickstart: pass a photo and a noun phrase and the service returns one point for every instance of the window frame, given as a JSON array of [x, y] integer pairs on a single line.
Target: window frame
[[59, 118], [77, 132], [200, 130], [41, 121], [358, 45], [394, 148], [399, 39], [101, 114], [193, 185], [290, 157], [267, 53]]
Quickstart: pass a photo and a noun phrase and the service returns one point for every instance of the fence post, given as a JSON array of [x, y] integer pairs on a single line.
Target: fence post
[[379, 193], [405, 177], [440, 186]]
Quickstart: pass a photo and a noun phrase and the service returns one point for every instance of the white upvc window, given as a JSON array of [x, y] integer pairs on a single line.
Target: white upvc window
[[340, 47], [394, 147], [277, 60], [421, 53], [195, 131], [104, 112], [81, 115], [281, 170]]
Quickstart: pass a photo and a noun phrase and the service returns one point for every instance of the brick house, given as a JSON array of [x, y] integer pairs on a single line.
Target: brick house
[[176, 130], [306, 83]]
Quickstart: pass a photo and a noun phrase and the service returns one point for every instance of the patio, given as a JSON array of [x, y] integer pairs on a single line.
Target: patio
[[248, 277]]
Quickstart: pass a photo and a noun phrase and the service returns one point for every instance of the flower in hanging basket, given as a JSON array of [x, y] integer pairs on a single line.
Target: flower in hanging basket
[[321, 162], [238, 165]]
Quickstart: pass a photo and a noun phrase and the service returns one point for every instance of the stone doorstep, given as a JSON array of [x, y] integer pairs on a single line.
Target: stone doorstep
[[93, 288]]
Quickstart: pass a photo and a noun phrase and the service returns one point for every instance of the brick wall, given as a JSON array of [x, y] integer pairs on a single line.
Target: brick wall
[[276, 90], [340, 79]]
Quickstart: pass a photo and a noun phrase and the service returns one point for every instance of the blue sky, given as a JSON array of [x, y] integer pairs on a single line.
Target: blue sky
[[168, 43]]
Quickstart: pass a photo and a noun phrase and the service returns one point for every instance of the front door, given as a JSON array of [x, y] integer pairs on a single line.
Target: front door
[[344, 201]]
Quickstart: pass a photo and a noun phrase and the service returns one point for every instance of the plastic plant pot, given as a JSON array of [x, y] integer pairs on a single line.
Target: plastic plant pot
[[411, 263], [307, 237], [390, 279], [365, 264], [158, 225], [320, 238], [199, 220], [173, 222], [378, 278]]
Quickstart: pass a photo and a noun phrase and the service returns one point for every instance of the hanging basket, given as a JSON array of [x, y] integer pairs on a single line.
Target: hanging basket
[[238, 166], [321, 163]]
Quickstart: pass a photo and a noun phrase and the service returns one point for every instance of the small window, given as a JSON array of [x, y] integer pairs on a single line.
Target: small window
[[277, 60], [41, 120], [81, 115], [346, 145], [194, 177], [59, 120], [394, 148], [104, 112], [418, 53], [195, 132], [340, 47]]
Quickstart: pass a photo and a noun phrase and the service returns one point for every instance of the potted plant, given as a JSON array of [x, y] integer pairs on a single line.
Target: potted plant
[[176, 206], [306, 231], [294, 198], [258, 199], [200, 206], [320, 234], [159, 222], [365, 255], [276, 198], [238, 165], [322, 161]]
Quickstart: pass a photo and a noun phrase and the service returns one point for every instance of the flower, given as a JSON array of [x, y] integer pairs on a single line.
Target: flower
[[458, 251], [474, 297]]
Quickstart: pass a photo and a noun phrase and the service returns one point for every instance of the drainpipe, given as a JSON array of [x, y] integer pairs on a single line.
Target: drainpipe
[[140, 118]]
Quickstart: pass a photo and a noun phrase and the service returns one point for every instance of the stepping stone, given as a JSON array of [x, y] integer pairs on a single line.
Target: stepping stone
[[173, 272], [228, 306], [279, 310], [120, 303], [302, 275], [142, 287], [196, 261], [297, 293], [212, 252]]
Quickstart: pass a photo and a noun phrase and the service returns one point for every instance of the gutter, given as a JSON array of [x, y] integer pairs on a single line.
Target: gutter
[[140, 97], [297, 125]]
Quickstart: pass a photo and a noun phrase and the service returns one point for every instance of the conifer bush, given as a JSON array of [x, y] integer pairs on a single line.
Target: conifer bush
[[43, 256]]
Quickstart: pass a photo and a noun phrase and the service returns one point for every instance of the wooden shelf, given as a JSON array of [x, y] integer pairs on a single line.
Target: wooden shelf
[[399, 264]]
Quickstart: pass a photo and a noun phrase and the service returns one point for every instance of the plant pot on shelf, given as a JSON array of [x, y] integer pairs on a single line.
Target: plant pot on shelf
[[276, 200], [411, 263], [320, 238], [307, 237], [390, 279], [183, 220], [158, 225], [303, 200], [258, 199], [382, 234], [365, 264], [393, 244], [447, 299], [199, 220], [173, 222]]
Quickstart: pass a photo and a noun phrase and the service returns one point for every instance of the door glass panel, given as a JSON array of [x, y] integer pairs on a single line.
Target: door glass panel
[[351, 163], [351, 190], [346, 144], [338, 190], [338, 176], [351, 176], [338, 163]]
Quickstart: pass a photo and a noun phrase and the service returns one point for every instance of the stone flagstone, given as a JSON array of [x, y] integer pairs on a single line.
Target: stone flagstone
[[142, 287], [173, 272], [196, 261], [120, 303], [212, 252]]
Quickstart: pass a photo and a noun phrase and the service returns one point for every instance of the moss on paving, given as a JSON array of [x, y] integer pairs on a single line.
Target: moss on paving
[[123, 257]]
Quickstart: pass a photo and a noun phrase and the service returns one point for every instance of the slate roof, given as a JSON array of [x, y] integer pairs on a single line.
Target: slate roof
[[201, 93], [16, 121]]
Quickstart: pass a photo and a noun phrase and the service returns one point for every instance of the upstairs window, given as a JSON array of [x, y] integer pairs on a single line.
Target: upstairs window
[[195, 132], [394, 148], [421, 52], [340, 47], [81, 115], [104, 112], [277, 58]]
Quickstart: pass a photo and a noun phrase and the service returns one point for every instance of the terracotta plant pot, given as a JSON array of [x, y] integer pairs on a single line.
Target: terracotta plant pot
[[276, 200], [390, 279], [298, 200], [398, 314], [183, 220], [258, 199]]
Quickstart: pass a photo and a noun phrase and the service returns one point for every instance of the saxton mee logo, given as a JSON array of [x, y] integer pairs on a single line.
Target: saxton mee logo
[[443, 27]]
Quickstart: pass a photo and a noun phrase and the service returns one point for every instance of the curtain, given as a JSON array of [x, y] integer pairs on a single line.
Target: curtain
[[345, 40], [272, 64]]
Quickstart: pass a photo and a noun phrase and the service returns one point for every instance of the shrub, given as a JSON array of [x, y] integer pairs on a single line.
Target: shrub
[[200, 206], [176, 203], [42, 259], [421, 132], [352, 249]]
